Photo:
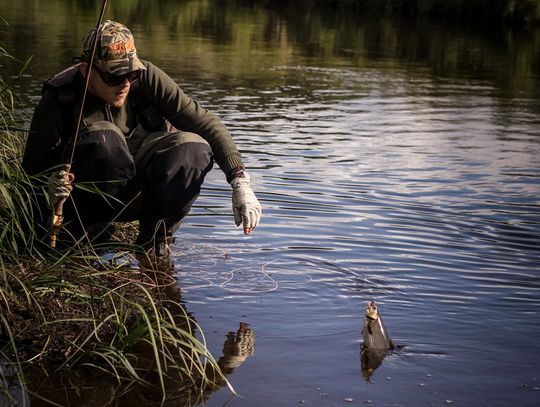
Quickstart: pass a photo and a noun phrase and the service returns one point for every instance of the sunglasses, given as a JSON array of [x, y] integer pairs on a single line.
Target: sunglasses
[[116, 80]]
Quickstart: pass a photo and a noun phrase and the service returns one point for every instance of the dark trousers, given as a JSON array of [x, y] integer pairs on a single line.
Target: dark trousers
[[150, 177]]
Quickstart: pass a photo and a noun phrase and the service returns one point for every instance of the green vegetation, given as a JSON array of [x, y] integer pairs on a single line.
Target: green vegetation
[[206, 40], [62, 312], [518, 12]]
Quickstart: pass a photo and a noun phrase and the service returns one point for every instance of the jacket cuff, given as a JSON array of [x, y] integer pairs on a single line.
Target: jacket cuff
[[231, 165]]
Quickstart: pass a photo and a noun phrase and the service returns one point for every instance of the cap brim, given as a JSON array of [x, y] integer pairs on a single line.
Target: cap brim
[[122, 66]]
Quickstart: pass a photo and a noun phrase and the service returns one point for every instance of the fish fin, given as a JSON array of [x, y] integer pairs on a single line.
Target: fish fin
[[369, 330]]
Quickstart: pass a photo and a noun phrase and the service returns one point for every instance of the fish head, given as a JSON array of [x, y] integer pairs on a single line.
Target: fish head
[[371, 311]]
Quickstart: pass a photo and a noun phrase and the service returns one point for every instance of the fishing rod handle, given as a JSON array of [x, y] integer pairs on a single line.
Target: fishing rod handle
[[58, 214], [59, 204]]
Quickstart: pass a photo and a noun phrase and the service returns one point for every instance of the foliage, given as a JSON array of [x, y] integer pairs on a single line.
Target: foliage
[[205, 40], [519, 12]]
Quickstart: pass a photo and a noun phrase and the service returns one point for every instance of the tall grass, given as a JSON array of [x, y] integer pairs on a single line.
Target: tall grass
[[65, 311], [120, 322]]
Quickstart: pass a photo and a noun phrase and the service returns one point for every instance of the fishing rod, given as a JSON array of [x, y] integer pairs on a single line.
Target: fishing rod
[[58, 207]]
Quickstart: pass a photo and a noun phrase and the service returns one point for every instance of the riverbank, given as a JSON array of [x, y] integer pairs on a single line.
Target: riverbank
[[85, 308]]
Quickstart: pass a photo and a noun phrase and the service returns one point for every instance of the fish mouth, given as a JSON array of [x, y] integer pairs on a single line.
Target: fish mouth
[[371, 311]]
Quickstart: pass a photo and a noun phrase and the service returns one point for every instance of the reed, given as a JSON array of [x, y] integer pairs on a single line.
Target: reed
[[72, 310]]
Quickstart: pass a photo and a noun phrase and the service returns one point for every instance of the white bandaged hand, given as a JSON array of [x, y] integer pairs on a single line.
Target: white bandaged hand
[[246, 207], [59, 185]]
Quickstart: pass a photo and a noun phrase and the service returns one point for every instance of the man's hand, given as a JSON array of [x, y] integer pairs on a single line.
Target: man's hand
[[59, 186], [246, 207]]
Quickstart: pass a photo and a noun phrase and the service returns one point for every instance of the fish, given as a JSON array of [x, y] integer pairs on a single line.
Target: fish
[[377, 344], [374, 331]]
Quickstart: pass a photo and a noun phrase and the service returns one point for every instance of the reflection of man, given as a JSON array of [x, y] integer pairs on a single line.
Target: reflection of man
[[130, 161], [237, 348]]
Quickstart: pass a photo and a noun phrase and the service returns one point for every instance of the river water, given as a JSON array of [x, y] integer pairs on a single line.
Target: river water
[[396, 161]]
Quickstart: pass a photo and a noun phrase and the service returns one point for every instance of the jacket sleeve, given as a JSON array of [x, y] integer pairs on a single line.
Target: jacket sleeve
[[187, 114], [44, 143]]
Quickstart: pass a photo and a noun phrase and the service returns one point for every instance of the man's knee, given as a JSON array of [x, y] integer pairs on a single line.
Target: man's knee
[[197, 152], [169, 147], [184, 137], [184, 163], [101, 154], [192, 151]]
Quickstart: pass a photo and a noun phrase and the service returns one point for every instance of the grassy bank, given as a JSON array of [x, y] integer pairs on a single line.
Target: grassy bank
[[62, 314]]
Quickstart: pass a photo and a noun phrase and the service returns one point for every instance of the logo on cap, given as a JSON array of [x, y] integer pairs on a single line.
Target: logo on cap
[[115, 51]]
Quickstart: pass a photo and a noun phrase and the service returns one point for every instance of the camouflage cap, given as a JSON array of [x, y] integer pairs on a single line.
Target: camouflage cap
[[115, 50]]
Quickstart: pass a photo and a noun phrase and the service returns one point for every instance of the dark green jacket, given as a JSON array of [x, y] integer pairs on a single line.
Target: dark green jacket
[[53, 121]]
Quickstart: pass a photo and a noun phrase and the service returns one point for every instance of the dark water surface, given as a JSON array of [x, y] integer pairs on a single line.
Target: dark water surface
[[397, 161]]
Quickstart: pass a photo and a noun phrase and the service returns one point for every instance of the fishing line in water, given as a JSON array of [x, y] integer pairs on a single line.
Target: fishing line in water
[[246, 280], [273, 283], [201, 266], [204, 266]]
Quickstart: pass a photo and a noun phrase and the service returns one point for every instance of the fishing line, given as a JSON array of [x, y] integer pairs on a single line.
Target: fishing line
[[197, 266], [58, 206], [242, 280], [264, 271]]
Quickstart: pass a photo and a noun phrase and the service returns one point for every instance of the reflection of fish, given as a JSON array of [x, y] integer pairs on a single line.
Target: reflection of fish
[[374, 332], [376, 344], [371, 360]]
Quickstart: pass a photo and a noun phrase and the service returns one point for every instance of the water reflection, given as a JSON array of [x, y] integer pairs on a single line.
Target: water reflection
[[257, 40], [370, 361], [237, 348]]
